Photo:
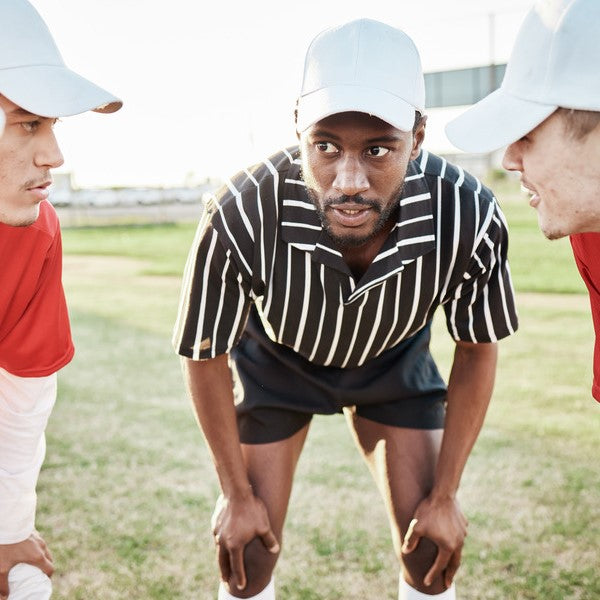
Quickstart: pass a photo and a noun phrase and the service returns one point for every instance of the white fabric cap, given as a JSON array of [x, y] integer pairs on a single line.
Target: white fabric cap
[[33, 74], [554, 63], [364, 66]]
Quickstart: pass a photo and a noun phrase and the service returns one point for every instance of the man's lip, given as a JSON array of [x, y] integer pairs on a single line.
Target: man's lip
[[349, 206], [527, 187], [534, 199], [358, 216], [43, 185]]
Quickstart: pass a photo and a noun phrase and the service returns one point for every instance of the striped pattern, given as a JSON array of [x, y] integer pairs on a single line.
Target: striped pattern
[[260, 241]]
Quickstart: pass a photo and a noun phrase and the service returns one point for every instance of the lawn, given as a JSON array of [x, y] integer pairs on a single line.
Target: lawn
[[127, 490]]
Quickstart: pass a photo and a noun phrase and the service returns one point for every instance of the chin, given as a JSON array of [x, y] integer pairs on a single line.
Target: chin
[[552, 231], [20, 218]]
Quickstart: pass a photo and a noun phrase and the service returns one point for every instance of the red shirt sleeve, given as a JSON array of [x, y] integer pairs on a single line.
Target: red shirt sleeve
[[35, 334]]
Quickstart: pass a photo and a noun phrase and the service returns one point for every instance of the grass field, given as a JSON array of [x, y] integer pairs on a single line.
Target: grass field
[[127, 489]]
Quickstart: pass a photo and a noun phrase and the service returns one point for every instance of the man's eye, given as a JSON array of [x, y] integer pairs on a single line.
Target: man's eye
[[30, 126], [326, 147], [378, 151]]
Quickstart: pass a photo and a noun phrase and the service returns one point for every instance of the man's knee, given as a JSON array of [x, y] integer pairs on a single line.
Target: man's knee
[[259, 564], [417, 564]]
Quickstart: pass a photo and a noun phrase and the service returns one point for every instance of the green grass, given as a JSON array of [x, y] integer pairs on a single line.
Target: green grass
[[127, 490], [162, 246]]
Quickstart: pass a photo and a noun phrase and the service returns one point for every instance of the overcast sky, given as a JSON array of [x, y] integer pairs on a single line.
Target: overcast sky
[[209, 87]]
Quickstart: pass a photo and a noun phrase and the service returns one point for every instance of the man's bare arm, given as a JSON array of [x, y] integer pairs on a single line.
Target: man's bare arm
[[438, 517], [240, 516]]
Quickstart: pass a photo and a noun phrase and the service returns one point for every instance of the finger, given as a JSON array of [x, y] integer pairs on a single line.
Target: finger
[[411, 539], [441, 560], [224, 566], [270, 542], [35, 534], [45, 565], [236, 559], [452, 567], [214, 519], [3, 586], [41, 559]]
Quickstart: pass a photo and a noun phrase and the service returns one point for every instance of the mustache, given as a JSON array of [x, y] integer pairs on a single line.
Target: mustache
[[37, 181], [345, 199]]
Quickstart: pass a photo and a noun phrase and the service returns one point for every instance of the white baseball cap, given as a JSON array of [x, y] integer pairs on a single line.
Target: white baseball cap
[[33, 74], [555, 63], [363, 66]]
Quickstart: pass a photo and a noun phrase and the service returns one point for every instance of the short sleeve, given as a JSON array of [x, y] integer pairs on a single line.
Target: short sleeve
[[482, 307], [215, 298]]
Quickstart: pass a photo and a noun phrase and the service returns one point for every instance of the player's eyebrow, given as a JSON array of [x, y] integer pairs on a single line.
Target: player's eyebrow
[[21, 112], [382, 139]]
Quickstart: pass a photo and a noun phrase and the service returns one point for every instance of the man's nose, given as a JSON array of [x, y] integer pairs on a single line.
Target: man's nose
[[48, 154], [351, 177], [512, 160]]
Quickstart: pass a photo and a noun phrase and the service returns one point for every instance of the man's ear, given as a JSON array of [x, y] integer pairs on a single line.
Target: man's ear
[[296, 120], [418, 137]]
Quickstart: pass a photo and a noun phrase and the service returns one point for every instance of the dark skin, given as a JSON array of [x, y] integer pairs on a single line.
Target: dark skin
[[365, 157], [351, 156]]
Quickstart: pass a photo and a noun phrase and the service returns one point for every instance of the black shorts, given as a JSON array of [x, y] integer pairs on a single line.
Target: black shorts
[[280, 390]]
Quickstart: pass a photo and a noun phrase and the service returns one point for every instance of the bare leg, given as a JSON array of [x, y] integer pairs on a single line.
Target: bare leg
[[271, 470], [402, 462]]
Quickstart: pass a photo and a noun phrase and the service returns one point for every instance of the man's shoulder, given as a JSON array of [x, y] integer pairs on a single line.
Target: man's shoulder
[[47, 220], [264, 176], [43, 230], [434, 166]]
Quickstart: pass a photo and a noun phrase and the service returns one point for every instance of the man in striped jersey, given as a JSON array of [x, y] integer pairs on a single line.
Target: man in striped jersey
[[547, 112], [318, 272]]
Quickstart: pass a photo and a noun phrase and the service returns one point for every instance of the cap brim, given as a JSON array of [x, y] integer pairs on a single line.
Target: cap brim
[[496, 121], [54, 91], [346, 98]]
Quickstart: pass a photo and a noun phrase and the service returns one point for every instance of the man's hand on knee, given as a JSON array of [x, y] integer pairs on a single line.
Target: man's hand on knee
[[235, 523], [32, 551], [443, 523]]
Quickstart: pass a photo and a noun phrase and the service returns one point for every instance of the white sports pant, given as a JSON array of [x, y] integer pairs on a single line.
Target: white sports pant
[[27, 582], [25, 406]]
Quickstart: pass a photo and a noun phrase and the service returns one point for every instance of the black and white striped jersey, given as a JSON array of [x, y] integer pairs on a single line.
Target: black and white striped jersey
[[260, 241]]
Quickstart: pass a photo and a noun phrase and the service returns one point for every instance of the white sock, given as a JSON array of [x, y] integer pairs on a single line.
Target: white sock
[[407, 592], [26, 582], [267, 594]]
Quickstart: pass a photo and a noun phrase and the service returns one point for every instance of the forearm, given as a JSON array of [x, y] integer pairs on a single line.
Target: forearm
[[469, 391], [209, 384]]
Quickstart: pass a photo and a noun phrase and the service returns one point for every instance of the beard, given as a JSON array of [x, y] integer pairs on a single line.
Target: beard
[[383, 210]]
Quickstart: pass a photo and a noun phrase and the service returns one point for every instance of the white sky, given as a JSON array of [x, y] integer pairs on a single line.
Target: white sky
[[209, 86]]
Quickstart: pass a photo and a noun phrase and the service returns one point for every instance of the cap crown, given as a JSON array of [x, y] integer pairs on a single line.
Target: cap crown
[[556, 57], [25, 39], [366, 53]]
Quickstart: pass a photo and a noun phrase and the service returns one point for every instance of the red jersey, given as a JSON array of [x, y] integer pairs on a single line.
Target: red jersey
[[586, 248], [35, 335]]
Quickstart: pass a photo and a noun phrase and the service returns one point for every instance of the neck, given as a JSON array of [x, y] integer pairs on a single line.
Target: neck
[[359, 258]]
